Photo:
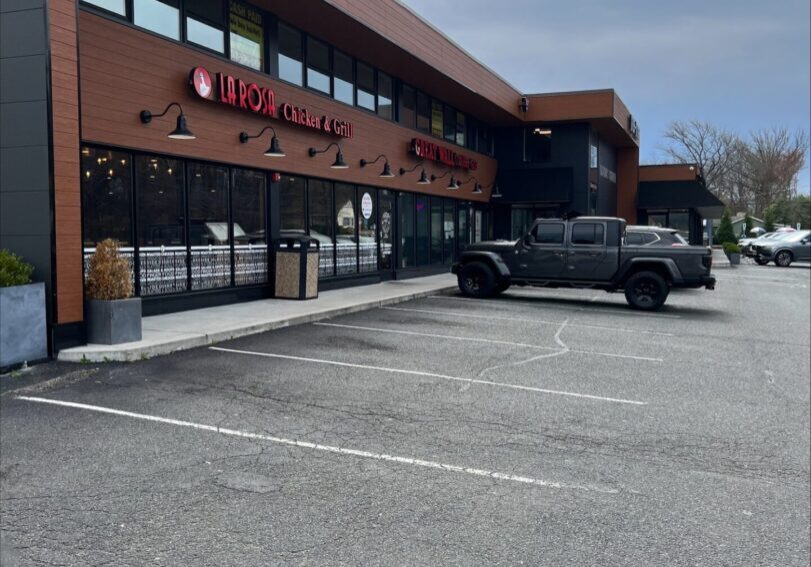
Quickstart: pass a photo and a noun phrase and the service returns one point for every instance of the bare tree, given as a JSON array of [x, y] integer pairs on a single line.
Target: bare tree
[[707, 146]]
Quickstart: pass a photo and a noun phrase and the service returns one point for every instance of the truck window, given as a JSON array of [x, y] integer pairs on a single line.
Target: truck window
[[549, 233], [585, 233]]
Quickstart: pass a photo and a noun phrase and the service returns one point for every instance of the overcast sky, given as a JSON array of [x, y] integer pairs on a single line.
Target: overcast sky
[[741, 64]]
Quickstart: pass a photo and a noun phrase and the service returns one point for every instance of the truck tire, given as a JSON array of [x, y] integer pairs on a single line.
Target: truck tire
[[476, 279], [761, 261], [646, 291], [502, 287]]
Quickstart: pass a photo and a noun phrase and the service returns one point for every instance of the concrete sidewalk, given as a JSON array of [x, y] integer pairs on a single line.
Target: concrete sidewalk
[[163, 334]]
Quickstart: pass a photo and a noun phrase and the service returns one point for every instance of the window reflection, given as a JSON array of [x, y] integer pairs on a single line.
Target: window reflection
[[367, 229], [345, 242], [319, 194], [160, 17], [290, 55], [208, 226]]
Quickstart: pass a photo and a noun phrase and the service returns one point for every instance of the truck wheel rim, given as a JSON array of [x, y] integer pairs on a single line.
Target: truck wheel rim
[[646, 292], [472, 282]]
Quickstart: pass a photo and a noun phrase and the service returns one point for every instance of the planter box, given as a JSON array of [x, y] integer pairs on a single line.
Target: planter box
[[112, 322], [23, 332], [734, 259]]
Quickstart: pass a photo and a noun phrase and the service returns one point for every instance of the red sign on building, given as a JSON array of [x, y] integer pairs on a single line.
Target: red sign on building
[[446, 156], [261, 100]]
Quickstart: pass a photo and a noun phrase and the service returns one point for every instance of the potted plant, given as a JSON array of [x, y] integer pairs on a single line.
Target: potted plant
[[23, 331], [733, 252], [112, 315]]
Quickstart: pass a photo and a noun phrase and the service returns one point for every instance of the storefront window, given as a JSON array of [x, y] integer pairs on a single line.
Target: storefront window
[[680, 220], [461, 128], [343, 83], [249, 226], [290, 55], [319, 194], [408, 106], [521, 221], [208, 226], [538, 144], [449, 124], [405, 228], [657, 219], [116, 6], [365, 91], [317, 65], [161, 227], [205, 24], [386, 227], [464, 228], [423, 237], [384, 96], [160, 17], [436, 230], [367, 229], [247, 36], [471, 134], [291, 204], [346, 249], [448, 230], [436, 118], [423, 113]]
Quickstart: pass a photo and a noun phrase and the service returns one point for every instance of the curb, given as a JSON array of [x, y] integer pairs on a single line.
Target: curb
[[143, 352]]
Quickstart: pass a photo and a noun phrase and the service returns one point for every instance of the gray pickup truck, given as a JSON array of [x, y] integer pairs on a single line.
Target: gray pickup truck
[[584, 252]]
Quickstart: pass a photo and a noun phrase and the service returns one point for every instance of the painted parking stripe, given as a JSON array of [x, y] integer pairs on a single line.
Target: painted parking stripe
[[565, 307], [524, 320], [319, 447], [432, 375], [489, 341]]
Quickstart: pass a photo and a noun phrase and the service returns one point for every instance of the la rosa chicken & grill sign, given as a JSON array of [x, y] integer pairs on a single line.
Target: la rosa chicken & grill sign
[[235, 92]]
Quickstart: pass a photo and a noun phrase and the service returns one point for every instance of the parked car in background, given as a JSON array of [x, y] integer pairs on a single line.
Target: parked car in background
[[638, 235], [792, 246], [751, 249]]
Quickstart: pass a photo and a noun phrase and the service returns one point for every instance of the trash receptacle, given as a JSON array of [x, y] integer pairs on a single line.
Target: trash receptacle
[[296, 259]]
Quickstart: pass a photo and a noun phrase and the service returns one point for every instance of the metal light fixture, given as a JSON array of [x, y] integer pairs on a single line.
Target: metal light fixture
[[452, 184], [477, 189], [339, 162], [386, 173], [181, 131], [423, 176], [496, 194], [275, 149]]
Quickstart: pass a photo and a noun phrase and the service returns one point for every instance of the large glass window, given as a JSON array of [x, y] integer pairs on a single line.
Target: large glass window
[[208, 226], [106, 196], [538, 143], [346, 249], [291, 204], [437, 123], [290, 55], [461, 128], [384, 96], [249, 226], [386, 227], [116, 6], [405, 228], [436, 230], [161, 225], [367, 229], [587, 233], [680, 220], [318, 65], [365, 91], [423, 237], [343, 87], [205, 24], [160, 17], [464, 225], [471, 134], [423, 112], [449, 124], [319, 194], [521, 221], [448, 230], [247, 35], [408, 106]]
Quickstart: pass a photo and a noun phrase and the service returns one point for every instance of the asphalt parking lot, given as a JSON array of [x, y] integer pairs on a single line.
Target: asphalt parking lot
[[546, 427]]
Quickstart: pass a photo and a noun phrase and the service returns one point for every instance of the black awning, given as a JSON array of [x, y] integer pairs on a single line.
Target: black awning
[[679, 195]]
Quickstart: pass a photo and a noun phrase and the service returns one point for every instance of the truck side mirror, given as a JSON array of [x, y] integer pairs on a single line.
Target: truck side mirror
[[528, 239]]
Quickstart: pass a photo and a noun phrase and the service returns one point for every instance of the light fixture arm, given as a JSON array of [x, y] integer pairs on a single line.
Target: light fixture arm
[[364, 163], [147, 116], [244, 137], [435, 177], [403, 170], [313, 152]]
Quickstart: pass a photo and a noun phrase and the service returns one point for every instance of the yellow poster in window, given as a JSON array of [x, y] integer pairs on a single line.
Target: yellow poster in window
[[247, 36]]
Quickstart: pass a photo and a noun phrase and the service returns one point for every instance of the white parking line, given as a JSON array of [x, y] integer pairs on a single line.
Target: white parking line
[[490, 341], [432, 375], [566, 307], [526, 320], [319, 447]]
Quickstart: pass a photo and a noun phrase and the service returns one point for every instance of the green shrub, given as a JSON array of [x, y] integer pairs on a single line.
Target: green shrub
[[731, 248], [13, 270], [725, 231], [108, 275]]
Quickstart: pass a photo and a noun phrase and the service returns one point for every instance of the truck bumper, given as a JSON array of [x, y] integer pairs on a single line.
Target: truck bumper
[[708, 282], [455, 267]]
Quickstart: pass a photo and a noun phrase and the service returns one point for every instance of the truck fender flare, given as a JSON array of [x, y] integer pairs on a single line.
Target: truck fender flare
[[667, 264], [496, 263]]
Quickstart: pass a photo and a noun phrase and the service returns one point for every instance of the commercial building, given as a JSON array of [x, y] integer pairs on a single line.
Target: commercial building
[[196, 132]]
